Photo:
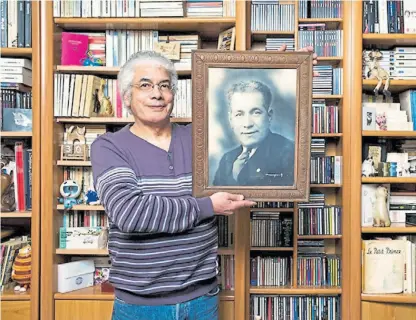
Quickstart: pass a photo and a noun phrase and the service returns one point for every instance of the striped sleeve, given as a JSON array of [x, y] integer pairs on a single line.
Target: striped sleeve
[[131, 210]]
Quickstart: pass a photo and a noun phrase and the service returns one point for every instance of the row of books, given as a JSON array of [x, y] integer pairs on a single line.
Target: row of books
[[319, 269], [271, 271], [272, 16], [277, 307], [225, 231], [326, 43], [320, 9], [325, 118], [16, 24], [328, 82], [320, 221], [326, 170], [271, 229], [16, 70], [226, 275], [142, 8], [81, 218], [386, 16]]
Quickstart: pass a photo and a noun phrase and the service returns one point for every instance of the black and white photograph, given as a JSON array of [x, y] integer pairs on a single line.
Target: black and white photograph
[[251, 126], [252, 123], [369, 118]]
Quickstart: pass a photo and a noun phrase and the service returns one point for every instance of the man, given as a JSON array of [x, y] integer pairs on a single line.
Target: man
[[263, 158], [162, 241]]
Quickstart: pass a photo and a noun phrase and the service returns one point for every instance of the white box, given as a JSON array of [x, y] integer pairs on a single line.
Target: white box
[[75, 275]]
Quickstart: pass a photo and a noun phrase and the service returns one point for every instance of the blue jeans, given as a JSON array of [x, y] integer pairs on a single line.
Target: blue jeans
[[202, 308]]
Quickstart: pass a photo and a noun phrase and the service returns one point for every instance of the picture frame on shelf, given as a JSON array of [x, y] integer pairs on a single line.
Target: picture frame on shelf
[[226, 40], [252, 124], [369, 119]]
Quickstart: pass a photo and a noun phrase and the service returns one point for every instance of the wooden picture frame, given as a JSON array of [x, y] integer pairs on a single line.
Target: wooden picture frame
[[260, 101]]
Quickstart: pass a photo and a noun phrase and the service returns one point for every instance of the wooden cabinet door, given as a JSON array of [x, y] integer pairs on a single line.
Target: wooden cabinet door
[[15, 310]]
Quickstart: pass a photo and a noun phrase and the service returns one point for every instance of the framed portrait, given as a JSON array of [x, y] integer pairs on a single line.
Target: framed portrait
[[251, 118]]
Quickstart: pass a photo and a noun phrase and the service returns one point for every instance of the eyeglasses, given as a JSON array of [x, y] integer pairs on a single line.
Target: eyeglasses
[[148, 86]]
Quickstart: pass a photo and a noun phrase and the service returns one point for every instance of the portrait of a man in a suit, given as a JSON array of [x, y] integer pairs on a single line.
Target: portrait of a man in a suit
[[262, 157]]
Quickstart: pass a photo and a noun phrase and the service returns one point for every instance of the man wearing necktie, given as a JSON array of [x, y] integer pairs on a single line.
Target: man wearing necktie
[[263, 158]]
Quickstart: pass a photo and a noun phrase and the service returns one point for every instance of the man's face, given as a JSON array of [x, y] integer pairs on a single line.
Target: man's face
[[151, 105], [249, 118]]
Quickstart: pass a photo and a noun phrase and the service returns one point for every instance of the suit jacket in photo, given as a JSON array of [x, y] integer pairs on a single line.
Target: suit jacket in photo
[[271, 165]]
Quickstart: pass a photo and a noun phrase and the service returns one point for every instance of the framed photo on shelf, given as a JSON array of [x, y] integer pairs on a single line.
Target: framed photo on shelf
[[251, 123], [226, 40], [369, 118]]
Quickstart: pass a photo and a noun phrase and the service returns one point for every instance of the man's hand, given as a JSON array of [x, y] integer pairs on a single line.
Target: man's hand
[[227, 203], [305, 49]]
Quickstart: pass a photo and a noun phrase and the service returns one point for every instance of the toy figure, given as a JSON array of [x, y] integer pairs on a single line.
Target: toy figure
[[22, 269], [105, 106], [70, 191], [367, 168], [7, 194], [91, 61], [91, 197], [376, 72], [381, 216]]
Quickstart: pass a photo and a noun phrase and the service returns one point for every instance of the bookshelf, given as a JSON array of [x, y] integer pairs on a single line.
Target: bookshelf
[[374, 306], [15, 305], [96, 303]]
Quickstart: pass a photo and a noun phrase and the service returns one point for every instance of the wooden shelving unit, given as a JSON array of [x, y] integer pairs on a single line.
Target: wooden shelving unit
[[18, 305], [94, 301], [373, 306]]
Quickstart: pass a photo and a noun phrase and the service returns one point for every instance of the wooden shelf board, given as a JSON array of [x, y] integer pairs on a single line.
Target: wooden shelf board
[[82, 252], [16, 214], [96, 293], [325, 185], [271, 248], [90, 293], [208, 27], [392, 134], [111, 71], [388, 40], [16, 52], [272, 209], [10, 295], [111, 120], [226, 251], [388, 180], [320, 236], [70, 163], [84, 207], [394, 228], [390, 298], [15, 134], [329, 60], [327, 96], [299, 290], [326, 135], [395, 85]]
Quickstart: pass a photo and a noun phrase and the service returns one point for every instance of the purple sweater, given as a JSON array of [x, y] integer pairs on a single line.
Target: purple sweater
[[162, 241]]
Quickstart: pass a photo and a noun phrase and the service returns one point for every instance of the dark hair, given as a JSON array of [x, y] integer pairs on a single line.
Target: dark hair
[[252, 86]]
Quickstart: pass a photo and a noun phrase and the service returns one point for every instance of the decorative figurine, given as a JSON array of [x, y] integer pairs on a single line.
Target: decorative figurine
[[102, 104], [69, 191], [74, 147], [22, 269], [381, 211], [367, 168], [91, 197], [91, 61], [376, 72]]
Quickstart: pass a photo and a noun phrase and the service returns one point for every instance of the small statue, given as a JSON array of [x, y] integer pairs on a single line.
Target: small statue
[[22, 269], [70, 191], [367, 168], [381, 216], [105, 108], [91, 197], [376, 72]]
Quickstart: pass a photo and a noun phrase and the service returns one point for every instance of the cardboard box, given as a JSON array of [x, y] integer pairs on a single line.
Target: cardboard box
[[75, 275]]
